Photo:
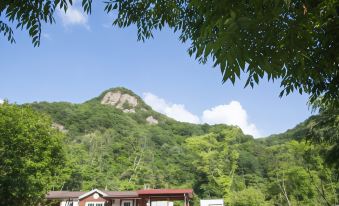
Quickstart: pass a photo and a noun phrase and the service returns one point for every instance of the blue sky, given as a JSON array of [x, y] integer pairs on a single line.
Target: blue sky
[[81, 56]]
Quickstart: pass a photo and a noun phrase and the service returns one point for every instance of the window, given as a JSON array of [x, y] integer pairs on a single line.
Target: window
[[95, 204], [127, 203]]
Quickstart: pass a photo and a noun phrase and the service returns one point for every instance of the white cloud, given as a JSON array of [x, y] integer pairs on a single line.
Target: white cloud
[[74, 16], [175, 111], [230, 114], [1, 101]]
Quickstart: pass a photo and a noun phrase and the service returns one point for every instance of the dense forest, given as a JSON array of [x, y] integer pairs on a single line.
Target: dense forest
[[117, 142]]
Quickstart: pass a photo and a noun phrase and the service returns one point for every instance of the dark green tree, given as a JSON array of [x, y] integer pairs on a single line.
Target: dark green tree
[[31, 155], [324, 129]]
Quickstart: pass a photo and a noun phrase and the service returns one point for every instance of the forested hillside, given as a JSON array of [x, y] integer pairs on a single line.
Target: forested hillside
[[117, 142]]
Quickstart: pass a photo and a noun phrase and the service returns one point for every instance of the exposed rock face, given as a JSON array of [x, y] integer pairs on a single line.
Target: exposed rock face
[[59, 127], [128, 110], [111, 98], [125, 102], [151, 120], [126, 98]]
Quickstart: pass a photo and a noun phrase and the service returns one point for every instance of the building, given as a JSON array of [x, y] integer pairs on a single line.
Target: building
[[148, 197], [213, 202]]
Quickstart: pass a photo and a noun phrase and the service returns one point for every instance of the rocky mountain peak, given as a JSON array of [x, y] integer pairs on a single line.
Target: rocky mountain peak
[[128, 102], [124, 101]]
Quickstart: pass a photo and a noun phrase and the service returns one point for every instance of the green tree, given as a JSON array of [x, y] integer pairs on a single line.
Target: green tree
[[215, 160], [30, 15], [298, 176], [31, 155], [292, 40], [107, 148], [324, 129], [248, 197], [295, 41], [322, 176]]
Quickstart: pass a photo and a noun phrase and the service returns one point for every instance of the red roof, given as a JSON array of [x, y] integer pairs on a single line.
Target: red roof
[[76, 194], [165, 191], [123, 194], [64, 194]]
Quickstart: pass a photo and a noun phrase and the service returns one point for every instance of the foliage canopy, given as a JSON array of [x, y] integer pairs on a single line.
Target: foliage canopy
[[31, 156], [107, 148], [292, 41], [295, 41]]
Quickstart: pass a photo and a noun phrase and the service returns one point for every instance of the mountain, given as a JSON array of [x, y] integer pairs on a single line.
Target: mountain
[[123, 142], [117, 142], [114, 108]]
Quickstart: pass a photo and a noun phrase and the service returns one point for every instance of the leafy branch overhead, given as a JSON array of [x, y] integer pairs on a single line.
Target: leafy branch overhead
[[29, 15], [293, 41]]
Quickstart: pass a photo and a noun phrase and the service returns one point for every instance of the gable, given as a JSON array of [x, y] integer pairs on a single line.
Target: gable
[[92, 192]]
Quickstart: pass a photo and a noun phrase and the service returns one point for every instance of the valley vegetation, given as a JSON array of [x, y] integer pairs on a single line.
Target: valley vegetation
[[108, 147], [64, 146]]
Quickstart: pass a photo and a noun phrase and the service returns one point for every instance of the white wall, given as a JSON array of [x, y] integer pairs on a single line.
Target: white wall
[[215, 202], [67, 203], [117, 203], [161, 203]]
